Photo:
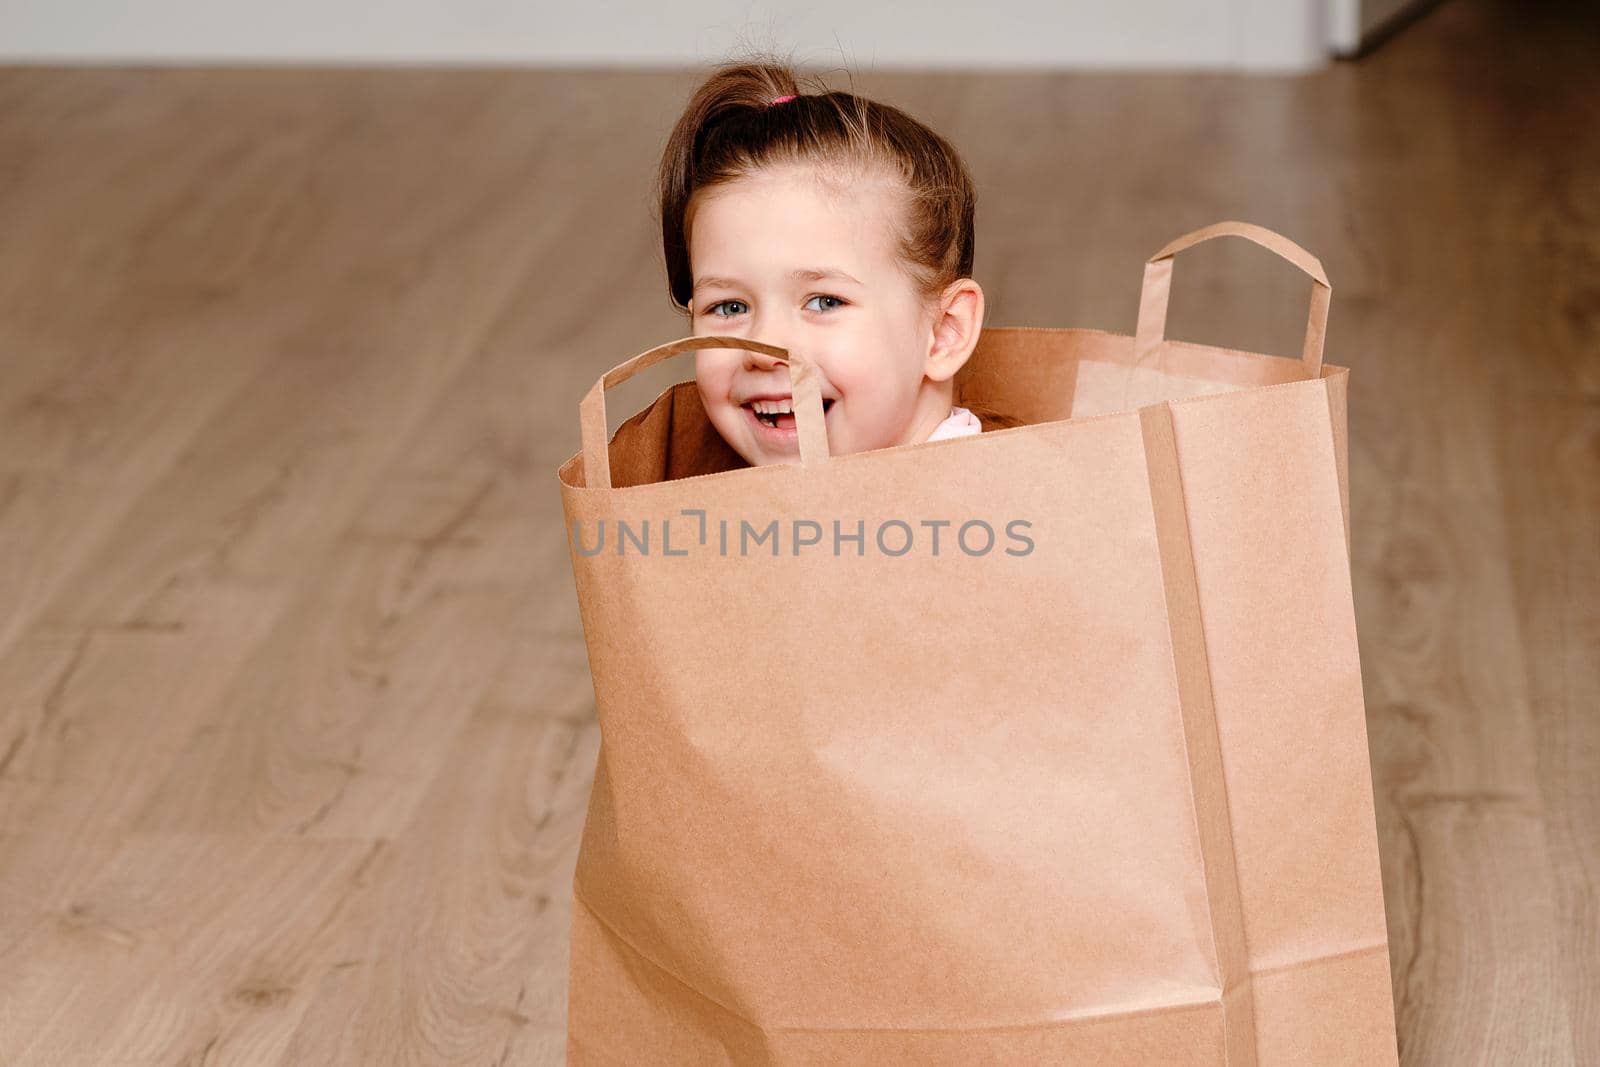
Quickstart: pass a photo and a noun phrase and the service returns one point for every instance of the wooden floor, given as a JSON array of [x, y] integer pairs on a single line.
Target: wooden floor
[[295, 724]]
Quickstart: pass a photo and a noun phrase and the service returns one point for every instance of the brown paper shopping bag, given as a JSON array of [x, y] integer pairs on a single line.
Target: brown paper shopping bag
[[1083, 781]]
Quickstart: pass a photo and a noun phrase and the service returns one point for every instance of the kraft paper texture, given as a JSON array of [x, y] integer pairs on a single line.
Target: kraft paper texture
[[1104, 802]]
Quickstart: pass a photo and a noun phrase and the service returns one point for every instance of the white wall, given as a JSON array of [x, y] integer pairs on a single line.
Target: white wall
[[1267, 35], [1353, 22]]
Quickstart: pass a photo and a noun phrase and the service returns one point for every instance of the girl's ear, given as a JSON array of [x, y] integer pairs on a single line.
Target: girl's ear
[[956, 325]]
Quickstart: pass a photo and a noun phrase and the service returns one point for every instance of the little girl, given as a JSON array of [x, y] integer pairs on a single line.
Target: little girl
[[832, 225]]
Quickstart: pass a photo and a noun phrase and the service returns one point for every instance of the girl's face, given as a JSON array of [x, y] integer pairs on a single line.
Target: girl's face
[[779, 258]]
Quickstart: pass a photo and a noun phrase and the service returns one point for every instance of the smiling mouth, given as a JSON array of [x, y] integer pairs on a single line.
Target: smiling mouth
[[782, 420]]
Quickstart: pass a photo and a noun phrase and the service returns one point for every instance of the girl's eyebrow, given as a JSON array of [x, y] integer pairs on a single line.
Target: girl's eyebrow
[[803, 274]]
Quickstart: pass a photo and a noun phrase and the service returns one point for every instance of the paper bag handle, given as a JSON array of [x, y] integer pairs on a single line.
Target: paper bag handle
[[803, 386], [1158, 285]]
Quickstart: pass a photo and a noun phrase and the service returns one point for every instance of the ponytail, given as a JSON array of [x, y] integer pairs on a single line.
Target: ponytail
[[731, 127]]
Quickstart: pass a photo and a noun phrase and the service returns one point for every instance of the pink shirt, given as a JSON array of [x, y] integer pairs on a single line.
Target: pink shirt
[[960, 423]]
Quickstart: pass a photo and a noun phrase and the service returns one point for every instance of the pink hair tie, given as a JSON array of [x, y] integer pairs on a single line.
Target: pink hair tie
[[781, 99]]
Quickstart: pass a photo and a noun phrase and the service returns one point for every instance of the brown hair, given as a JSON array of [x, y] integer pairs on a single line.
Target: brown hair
[[730, 128]]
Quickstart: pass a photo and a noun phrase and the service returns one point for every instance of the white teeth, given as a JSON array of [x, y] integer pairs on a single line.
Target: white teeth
[[773, 407]]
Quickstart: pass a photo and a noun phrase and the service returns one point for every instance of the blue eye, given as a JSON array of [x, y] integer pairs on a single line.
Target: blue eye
[[712, 309]]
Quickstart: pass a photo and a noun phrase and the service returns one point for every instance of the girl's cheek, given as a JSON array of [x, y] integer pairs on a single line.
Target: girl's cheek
[[715, 374]]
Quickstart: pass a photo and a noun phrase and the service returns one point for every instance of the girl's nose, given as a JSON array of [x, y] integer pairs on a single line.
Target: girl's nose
[[757, 361]]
